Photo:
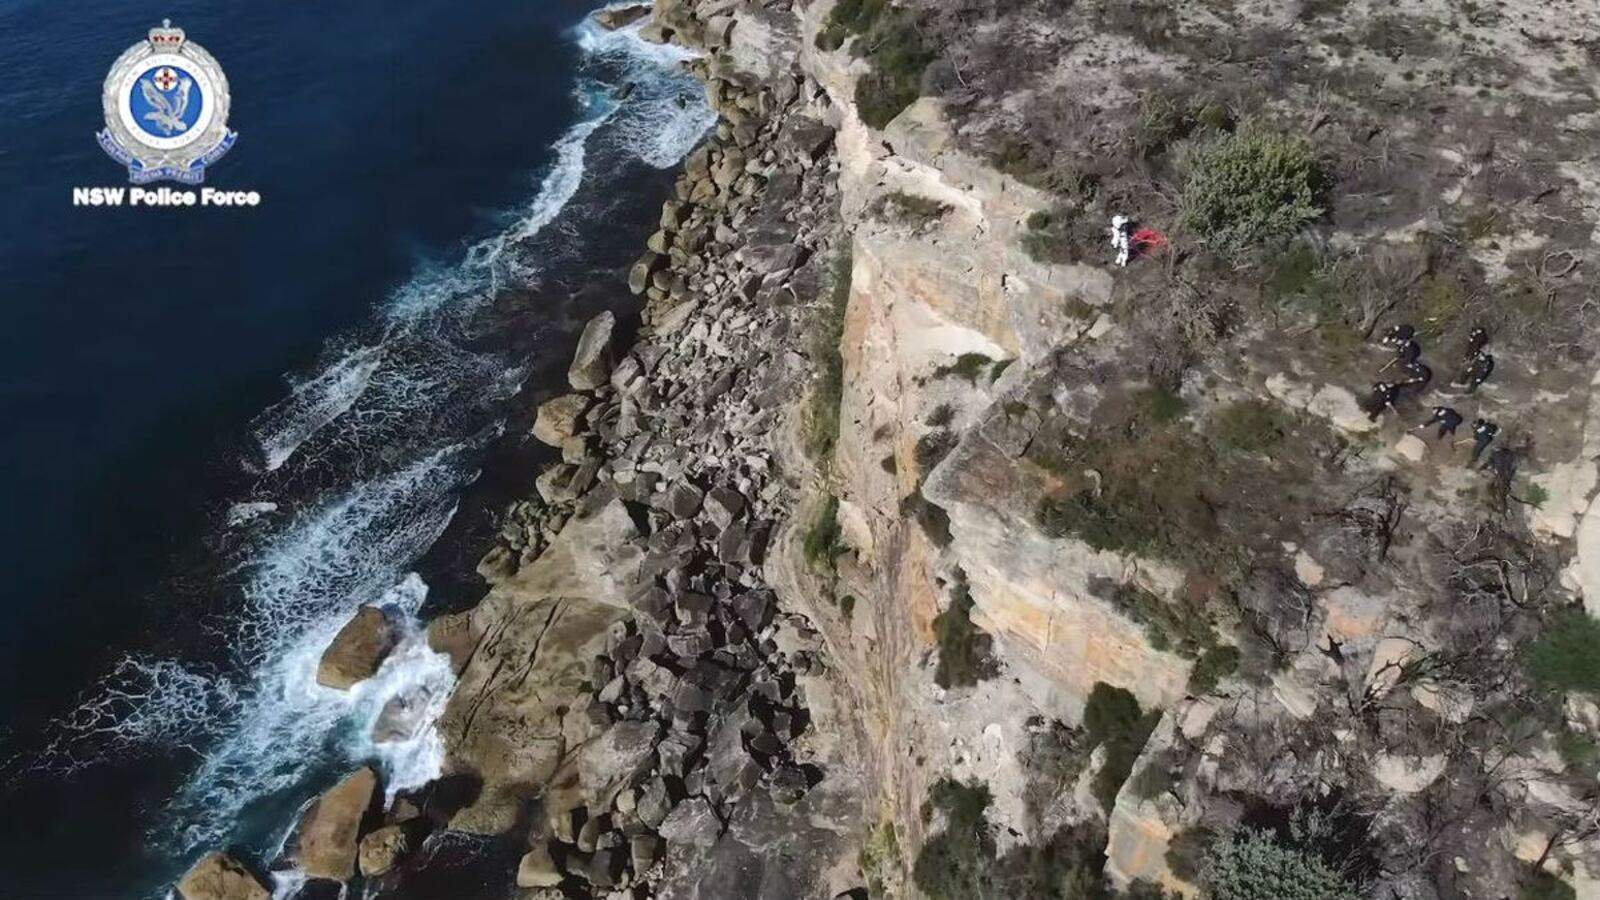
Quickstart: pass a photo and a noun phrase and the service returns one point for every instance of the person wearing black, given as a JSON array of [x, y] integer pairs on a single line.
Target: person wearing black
[[1476, 341], [1483, 432], [1417, 376], [1406, 354], [1479, 367], [1382, 398], [1397, 336], [1446, 418]]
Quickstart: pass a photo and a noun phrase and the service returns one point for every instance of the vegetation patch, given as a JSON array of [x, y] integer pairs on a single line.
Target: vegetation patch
[[910, 209], [849, 17], [1252, 864], [961, 861], [827, 330], [1251, 186], [1142, 480], [1112, 719], [879, 858], [1544, 886], [964, 649], [898, 54], [1252, 426], [824, 541], [1566, 657], [933, 520], [968, 366]]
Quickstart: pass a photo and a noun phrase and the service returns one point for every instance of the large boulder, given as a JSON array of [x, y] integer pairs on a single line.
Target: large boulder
[[382, 850], [358, 649], [558, 418], [591, 364], [218, 876], [621, 16], [330, 831], [537, 869]]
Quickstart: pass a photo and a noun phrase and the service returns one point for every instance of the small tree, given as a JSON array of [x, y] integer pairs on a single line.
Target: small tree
[[1249, 186], [1567, 656], [1253, 865]]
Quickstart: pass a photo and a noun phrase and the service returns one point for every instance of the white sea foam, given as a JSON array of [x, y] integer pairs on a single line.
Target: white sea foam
[[668, 114], [388, 416], [240, 513], [313, 403]]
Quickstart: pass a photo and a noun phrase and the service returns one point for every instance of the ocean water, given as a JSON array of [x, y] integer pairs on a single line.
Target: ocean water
[[227, 429]]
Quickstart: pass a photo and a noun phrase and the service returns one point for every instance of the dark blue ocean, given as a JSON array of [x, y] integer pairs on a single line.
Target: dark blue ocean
[[225, 429]]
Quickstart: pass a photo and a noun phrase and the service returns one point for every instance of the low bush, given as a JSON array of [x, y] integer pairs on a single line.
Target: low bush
[[847, 18], [898, 54], [827, 329], [823, 540], [1112, 719], [911, 209], [933, 520], [1254, 865], [1252, 426], [1251, 186], [964, 648], [1213, 665], [955, 864], [961, 861], [1567, 656], [1544, 886], [968, 366]]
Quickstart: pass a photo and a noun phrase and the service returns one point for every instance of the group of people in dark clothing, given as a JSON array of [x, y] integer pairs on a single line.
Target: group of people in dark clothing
[[1476, 369]]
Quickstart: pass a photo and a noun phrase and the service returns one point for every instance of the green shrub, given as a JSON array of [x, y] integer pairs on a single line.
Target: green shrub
[[849, 17], [1544, 886], [1173, 626], [967, 365], [1537, 496], [827, 329], [933, 447], [1252, 426], [954, 864], [911, 209], [898, 54], [1251, 186], [964, 648], [1214, 665], [935, 522], [1296, 272], [823, 540], [942, 416], [1253, 865], [961, 862], [1567, 656], [1162, 404], [1578, 751], [1112, 719]]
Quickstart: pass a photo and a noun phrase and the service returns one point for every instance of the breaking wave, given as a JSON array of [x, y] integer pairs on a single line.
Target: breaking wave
[[358, 471]]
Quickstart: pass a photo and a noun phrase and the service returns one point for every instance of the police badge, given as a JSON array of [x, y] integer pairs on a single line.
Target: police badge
[[166, 105]]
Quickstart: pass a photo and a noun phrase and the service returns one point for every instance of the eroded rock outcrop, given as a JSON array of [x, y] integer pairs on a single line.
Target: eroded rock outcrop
[[330, 831], [218, 876], [358, 649]]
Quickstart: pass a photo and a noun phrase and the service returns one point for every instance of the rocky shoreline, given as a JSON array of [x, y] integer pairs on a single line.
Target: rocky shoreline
[[633, 707]]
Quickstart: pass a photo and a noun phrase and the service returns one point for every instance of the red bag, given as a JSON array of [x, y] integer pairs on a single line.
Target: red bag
[[1147, 239]]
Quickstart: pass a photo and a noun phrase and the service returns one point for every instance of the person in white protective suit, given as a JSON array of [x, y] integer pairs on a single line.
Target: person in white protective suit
[[1122, 238]]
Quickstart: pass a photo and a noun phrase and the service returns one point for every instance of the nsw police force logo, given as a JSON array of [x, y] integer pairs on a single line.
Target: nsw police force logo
[[166, 104]]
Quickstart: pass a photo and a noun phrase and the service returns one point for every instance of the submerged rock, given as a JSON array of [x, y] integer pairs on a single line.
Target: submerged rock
[[331, 830], [358, 649], [218, 876]]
